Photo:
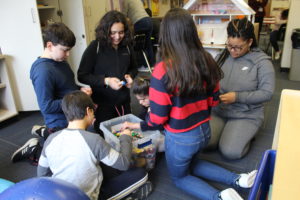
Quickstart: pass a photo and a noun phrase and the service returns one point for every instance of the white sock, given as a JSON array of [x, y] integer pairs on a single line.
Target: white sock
[[230, 194], [247, 180]]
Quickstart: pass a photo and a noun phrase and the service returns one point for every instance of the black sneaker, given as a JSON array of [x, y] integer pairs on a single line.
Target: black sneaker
[[140, 193], [27, 150], [38, 130]]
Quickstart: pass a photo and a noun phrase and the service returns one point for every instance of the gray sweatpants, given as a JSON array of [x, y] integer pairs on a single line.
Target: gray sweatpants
[[233, 136]]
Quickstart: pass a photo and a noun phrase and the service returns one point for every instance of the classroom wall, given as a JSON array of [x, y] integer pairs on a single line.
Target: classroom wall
[[164, 6], [293, 22]]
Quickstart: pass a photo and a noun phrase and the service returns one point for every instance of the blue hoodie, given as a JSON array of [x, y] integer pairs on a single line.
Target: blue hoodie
[[51, 81]]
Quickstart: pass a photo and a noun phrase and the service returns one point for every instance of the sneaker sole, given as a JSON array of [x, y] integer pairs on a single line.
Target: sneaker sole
[[36, 127], [22, 147], [143, 191], [130, 189], [143, 70]]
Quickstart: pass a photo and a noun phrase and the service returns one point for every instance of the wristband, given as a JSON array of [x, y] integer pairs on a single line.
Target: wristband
[[106, 82]]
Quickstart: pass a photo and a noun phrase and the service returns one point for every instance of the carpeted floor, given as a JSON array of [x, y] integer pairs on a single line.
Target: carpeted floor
[[16, 131]]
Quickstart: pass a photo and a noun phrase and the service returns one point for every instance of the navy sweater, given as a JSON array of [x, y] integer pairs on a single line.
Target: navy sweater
[[51, 81]]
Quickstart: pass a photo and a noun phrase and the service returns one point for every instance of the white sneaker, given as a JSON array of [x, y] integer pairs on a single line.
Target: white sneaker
[[247, 180], [277, 55], [143, 69], [230, 194]]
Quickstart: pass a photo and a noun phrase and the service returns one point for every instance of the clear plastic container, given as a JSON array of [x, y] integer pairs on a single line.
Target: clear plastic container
[[114, 141]]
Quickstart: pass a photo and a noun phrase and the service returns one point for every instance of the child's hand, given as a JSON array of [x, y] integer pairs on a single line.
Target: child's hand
[[126, 132], [87, 90], [130, 125], [128, 80], [228, 98], [113, 82]]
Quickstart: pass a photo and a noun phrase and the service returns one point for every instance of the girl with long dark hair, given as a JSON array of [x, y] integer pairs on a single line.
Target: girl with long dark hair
[[183, 89]]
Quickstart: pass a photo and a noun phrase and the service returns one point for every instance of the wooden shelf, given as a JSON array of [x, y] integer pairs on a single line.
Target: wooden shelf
[[209, 14], [45, 7], [6, 114], [7, 104], [214, 46], [2, 85]]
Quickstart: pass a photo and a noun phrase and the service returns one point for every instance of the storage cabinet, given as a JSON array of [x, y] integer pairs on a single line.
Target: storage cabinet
[[7, 103], [21, 38], [212, 16]]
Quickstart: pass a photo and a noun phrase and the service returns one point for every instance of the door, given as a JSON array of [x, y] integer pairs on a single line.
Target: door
[[73, 17]]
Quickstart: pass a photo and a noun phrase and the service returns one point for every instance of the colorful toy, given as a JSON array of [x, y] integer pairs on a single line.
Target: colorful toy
[[135, 135], [123, 83]]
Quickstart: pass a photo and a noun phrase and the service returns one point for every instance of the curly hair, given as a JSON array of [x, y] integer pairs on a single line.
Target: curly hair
[[103, 28]]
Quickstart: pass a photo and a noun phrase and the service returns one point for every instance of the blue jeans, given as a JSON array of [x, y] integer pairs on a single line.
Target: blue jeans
[[187, 171], [145, 25]]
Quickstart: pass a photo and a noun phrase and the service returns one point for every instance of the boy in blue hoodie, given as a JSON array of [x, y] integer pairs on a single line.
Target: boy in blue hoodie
[[52, 78]]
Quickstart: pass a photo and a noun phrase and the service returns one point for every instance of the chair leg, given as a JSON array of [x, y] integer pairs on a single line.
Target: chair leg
[[267, 48], [148, 65]]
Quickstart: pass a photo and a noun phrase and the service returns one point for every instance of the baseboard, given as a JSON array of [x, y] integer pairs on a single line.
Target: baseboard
[[284, 69]]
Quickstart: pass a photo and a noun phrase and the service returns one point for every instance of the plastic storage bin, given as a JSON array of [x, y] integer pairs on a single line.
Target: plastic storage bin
[[264, 177], [114, 140]]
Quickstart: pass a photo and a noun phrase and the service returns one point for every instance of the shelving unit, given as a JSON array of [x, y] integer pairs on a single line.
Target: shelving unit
[[212, 16], [2, 85], [7, 103], [80, 16], [48, 12], [45, 7]]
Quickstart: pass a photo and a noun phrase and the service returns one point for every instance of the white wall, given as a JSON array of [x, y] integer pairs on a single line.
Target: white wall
[[21, 41], [293, 22]]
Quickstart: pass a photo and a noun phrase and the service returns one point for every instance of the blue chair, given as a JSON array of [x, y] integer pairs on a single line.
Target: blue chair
[[264, 177], [4, 184], [44, 188]]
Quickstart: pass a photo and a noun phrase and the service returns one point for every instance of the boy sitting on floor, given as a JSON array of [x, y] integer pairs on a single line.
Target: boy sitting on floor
[[74, 155]]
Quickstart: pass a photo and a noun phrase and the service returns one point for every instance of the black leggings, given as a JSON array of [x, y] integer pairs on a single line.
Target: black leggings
[[118, 182], [273, 39]]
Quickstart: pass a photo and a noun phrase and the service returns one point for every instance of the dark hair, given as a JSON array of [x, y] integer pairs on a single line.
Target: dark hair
[[242, 28], [74, 105], [58, 33], [285, 14], [141, 85], [238, 28], [104, 26], [149, 11], [190, 69]]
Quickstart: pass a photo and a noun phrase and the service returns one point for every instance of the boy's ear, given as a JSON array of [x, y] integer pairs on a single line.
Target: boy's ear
[[87, 110], [49, 44]]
